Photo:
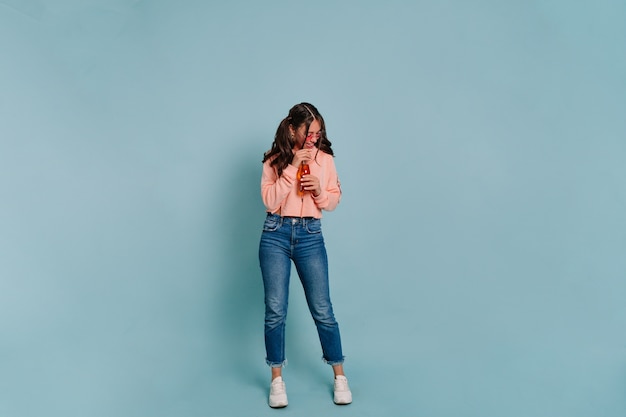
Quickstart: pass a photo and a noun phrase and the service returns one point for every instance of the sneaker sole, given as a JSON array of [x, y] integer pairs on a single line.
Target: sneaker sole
[[342, 401]]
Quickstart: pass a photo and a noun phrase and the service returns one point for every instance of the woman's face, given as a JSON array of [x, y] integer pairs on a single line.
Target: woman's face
[[307, 139]]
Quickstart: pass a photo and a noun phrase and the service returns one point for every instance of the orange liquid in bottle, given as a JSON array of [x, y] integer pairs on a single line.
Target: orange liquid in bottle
[[304, 170]]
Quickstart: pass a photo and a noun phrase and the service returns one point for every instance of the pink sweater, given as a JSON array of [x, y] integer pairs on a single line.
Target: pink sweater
[[280, 194]]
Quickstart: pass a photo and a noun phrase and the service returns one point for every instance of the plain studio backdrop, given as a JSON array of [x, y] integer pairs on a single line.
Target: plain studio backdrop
[[477, 259]]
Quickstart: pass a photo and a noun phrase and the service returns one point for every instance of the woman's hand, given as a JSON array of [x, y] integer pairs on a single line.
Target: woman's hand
[[300, 156], [311, 183]]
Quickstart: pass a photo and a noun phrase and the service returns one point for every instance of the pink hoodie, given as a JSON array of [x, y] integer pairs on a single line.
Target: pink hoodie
[[280, 195]]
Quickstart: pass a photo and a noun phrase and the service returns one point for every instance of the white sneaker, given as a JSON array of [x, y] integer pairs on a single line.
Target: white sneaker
[[343, 395], [278, 393]]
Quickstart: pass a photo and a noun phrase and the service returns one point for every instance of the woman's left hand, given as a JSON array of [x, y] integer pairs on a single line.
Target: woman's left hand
[[311, 183]]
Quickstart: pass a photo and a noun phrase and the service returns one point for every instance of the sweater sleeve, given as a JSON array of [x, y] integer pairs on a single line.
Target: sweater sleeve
[[274, 189], [331, 189]]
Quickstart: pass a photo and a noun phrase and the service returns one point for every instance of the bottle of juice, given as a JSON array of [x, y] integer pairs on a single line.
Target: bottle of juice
[[303, 170]]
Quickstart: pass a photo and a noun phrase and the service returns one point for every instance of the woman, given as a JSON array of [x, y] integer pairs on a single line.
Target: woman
[[292, 232]]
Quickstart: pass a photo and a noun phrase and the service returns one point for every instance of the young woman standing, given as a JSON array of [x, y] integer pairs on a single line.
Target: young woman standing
[[299, 180]]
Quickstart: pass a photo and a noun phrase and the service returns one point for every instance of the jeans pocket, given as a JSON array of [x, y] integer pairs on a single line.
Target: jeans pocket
[[272, 223], [314, 226]]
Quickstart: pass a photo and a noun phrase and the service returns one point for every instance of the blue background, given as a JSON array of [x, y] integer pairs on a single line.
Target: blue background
[[477, 258]]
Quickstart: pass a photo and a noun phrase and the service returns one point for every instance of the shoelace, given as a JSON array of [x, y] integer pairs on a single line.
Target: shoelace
[[278, 387], [341, 385]]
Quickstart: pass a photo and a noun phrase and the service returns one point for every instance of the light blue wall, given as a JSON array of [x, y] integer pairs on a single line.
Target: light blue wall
[[477, 258]]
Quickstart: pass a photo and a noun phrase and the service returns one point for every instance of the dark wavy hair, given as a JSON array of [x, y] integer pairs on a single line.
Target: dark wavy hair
[[281, 152]]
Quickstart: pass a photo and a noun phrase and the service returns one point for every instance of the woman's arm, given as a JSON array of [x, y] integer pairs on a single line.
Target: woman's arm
[[275, 189], [330, 196]]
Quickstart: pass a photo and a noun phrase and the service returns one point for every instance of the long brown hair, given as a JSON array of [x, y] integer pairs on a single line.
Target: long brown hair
[[281, 152]]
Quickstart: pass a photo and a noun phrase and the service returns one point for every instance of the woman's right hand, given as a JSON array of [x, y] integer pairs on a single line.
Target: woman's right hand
[[302, 155]]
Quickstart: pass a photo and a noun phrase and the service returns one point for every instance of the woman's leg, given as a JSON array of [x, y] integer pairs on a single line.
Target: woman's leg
[[311, 263], [275, 265], [338, 370]]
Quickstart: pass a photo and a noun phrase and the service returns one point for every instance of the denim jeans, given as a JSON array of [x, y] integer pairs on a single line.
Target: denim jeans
[[286, 239]]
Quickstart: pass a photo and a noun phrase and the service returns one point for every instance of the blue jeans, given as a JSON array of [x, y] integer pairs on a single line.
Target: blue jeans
[[286, 239]]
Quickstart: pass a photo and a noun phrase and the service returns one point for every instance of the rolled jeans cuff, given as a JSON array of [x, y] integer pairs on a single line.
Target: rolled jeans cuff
[[333, 363], [276, 364]]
